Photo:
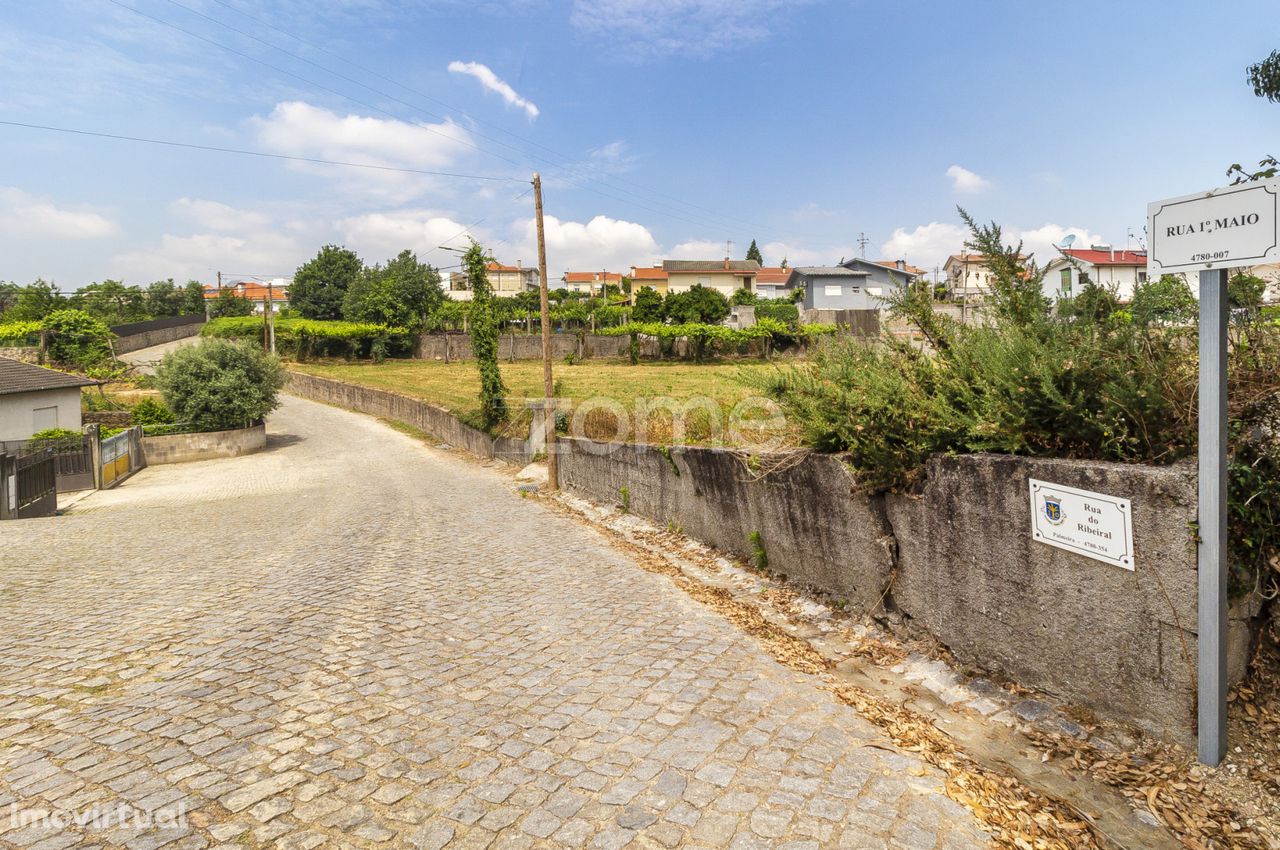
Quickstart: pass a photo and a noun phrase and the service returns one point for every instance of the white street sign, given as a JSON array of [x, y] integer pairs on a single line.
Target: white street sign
[[1222, 228], [1089, 524]]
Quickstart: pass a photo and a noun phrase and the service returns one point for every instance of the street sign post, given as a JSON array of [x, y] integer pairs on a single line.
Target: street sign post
[[1209, 233]]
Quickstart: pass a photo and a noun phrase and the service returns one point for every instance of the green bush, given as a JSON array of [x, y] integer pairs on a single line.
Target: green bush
[[218, 385], [58, 439], [306, 338], [19, 333], [77, 339], [1092, 380], [150, 412], [484, 337]]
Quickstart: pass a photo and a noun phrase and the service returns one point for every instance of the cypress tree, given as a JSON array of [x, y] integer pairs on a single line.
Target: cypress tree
[[753, 253]]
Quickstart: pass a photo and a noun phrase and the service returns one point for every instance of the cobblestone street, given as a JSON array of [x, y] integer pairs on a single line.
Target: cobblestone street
[[354, 640]]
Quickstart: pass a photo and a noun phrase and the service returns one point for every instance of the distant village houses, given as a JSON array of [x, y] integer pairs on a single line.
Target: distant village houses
[[274, 292]]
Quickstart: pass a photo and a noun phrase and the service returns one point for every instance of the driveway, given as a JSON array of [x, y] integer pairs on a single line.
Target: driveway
[[145, 359], [353, 640]]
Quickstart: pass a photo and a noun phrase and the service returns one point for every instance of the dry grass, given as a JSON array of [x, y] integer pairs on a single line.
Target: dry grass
[[598, 389]]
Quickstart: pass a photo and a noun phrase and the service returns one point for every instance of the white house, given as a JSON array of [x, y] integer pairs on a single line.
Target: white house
[[1119, 271], [33, 399]]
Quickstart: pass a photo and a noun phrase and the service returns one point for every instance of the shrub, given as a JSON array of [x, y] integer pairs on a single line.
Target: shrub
[[150, 412], [304, 338], [1092, 381], [648, 306], [699, 304], [218, 385], [229, 304], [20, 333], [58, 439], [77, 339]]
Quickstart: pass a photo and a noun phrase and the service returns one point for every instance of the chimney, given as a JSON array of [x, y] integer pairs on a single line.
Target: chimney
[[726, 263], [1113, 255], [901, 265]]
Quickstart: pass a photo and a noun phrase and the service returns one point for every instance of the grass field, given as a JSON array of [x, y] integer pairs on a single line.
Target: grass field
[[604, 394]]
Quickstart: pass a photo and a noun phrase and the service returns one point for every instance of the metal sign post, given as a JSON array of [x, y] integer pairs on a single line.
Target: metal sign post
[[1211, 705], [1209, 233]]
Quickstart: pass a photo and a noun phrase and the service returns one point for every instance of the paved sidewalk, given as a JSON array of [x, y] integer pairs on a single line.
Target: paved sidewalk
[[351, 640]]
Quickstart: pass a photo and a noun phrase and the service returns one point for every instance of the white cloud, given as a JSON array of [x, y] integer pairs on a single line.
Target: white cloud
[[212, 215], [379, 236], [494, 83], [195, 257], [964, 180], [300, 129], [31, 217], [647, 28], [698, 249], [601, 243], [930, 244]]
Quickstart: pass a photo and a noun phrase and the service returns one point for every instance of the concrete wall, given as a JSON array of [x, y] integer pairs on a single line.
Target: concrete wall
[[422, 415], [813, 524], [181, 448], [17, 412], [146, 339], [967, 570], [520, 346]]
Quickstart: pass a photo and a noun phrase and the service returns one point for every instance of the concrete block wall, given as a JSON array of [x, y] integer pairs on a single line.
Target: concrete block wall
[[182, 448], [146, 339]]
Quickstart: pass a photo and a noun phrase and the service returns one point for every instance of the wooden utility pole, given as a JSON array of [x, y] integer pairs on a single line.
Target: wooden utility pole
[[548, 384], [271, 317]]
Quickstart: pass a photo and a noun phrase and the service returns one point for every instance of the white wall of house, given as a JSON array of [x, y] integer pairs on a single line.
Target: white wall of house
[[726, 283], [1063, 278], [23, 414]]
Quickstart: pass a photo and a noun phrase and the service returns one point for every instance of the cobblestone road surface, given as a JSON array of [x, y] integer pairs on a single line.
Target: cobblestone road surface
[[351, 640]]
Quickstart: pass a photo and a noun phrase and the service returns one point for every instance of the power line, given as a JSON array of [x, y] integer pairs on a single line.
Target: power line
[[263, 154], [367, 105]]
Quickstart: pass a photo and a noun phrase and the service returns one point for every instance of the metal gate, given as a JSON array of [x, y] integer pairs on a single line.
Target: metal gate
[[115, 459], [30, 485]]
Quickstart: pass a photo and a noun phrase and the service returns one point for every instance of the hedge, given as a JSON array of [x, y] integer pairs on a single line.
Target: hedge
[[303, 338], [20, 333]]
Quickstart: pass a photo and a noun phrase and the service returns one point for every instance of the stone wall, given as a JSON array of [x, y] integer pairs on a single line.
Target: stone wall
[[181, 448], [424, 416], [521, 346], [155, 336], [26, 353], [958, 561]]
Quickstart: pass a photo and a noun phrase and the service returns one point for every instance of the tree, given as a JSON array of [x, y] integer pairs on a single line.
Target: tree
[[9, 293], [219, 384], [743, 296], [35, 301], [192, 298], [320, 285], [111, 301], [77, 339], [1246, 291], [404, 294], [648, 306], [229, 304], [753, 253], [1166, 300], [698, 305], [164, 298], [1264, 76], [484, 336]]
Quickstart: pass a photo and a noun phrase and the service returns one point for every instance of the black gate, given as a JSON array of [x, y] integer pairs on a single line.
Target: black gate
[[30, 484]]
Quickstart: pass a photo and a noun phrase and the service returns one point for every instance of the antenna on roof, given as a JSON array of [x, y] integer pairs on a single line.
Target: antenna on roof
[[728, 247], [862, 245], [1068, 241]]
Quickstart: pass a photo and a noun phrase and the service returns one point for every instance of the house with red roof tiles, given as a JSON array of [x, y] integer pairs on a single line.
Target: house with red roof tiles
[[1119, 271]]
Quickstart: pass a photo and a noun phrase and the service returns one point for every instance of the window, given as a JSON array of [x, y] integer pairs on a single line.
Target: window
[[876, 291], [43, 418], [831, 289], [1142, 277], [1064, 281], [704, 281]]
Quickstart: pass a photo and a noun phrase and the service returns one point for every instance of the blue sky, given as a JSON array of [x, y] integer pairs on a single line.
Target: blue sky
[[663, 128]]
